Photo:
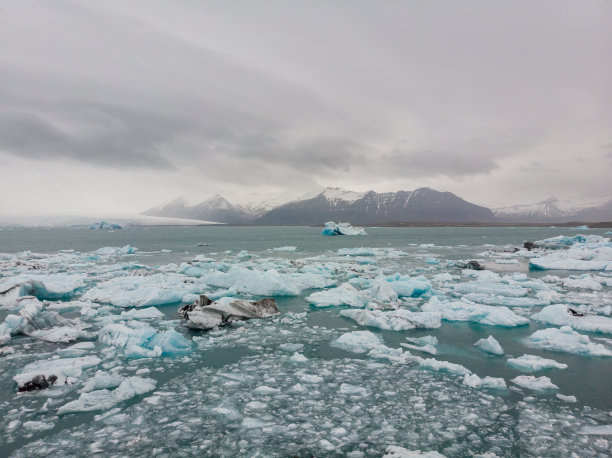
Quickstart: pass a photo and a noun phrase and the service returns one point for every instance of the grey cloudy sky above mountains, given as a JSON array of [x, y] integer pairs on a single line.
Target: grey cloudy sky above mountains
[[115, 106]]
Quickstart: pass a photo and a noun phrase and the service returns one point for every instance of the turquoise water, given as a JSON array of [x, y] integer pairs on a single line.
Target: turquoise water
[[226, 370]]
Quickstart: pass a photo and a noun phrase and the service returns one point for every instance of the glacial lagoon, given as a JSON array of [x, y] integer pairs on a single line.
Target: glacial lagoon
[[383, 341]]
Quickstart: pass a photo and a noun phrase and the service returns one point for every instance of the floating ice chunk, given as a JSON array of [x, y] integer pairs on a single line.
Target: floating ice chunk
[[443, 366], [138, 291], [490, 345], [427, 344], [537, 384], [568, 341], [206, 314], [101, 380], [44, 373], [583, 282], [564, 398], [394, 320], [38, 425], [105, 399], [559, 315], [353, 390], [579, 258], [115, 251], [491, 288], [406, 286], [298, 358], [141, 340], [345, 294], [358, 341], [490, 299], [468, 311], [58, 286], [362, 251], [285, 248], [601, 430], [382, 291], [103, 225], [332, 228], [444, 277], [475, 381], [61, 334], [424, 348], [141, 314], [267, 283], [532, 363], [394, 451]]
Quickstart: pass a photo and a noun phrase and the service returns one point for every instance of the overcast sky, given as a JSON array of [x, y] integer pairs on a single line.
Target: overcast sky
[[114, 106]]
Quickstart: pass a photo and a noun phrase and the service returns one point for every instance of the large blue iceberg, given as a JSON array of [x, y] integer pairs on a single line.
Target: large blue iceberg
[[332, 228]]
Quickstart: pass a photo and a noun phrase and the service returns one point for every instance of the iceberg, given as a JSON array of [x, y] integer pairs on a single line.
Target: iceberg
[[45, 373], [566, 340], [490, 345], [394, 320], [58, 286], [532, 363], [468, 311], [206, 314], [475, 381], [105, 399], [142, 341], [358, 341], [394, 451], [345, 294], [537, 384], [406, 286], [560, 315], [105, 225], [332, 228], [580, 258]]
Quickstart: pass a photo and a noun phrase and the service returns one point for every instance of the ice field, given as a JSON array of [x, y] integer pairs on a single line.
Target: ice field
[[385, 344]]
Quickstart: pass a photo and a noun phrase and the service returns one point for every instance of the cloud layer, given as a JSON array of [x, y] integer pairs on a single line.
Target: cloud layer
[[205, 97]]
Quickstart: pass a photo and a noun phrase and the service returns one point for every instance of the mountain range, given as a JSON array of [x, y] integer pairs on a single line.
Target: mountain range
[[420, 205]]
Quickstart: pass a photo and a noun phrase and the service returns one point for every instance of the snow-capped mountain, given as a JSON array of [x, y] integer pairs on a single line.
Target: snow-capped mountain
[[421, 205], [215, 208], [555, 210]]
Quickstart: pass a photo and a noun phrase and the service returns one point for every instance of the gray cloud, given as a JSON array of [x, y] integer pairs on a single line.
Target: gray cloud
[[363, 97]]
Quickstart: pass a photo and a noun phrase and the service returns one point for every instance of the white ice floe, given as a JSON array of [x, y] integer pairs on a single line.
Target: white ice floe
[[475, 381], [105, 399], [427, 344], [490, 345], [268, 282], [568, 341], [345, 294], [465, 310], [406, 286], [532, 363], [140, 340], [559, 315], [394, 320], [443, 366], [394, 451], [497, 289], [358, 341], [564, 398], [590, 255], [537, 384], [143, 291], [332, 228], [52, 286], [285, 248], [601, 430], [59, 371]]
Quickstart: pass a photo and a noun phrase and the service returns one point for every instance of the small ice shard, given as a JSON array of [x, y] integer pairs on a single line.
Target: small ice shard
[[394, 451], [358, 341], [600, 430], [537, 384], [353, 390], [568, 341], [332, 228], [285, 248], [490, 345], [532, 363], [105, 399], [206, 314], [475, 381], [564, 398]]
